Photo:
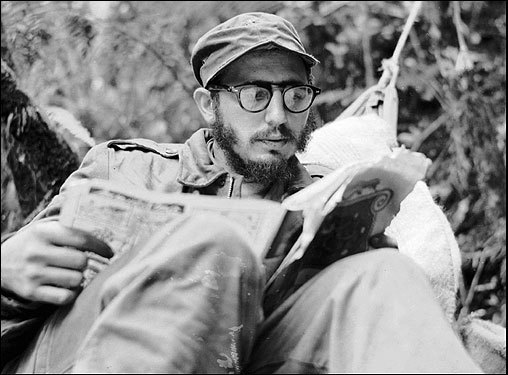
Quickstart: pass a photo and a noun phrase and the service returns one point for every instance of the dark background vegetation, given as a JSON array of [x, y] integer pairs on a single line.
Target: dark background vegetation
[[123, 71]]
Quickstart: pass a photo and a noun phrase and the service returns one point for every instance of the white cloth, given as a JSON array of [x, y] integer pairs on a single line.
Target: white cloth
[[424, 234], [338, 143]]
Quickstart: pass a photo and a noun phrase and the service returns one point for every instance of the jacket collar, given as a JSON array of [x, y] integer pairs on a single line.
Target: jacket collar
[[197, 169]]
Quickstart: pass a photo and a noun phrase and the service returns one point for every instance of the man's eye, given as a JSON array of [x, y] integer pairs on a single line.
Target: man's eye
[[297, 95], [261, 95]]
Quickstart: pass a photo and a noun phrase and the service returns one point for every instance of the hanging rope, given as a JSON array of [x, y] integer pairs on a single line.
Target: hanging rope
[[382, 97], [463, 63]]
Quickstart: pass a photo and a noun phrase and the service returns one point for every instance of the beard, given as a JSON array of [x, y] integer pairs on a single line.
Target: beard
[[262, 172]]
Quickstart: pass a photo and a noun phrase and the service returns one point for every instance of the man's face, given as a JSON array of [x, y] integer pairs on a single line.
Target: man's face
[[266, 140]]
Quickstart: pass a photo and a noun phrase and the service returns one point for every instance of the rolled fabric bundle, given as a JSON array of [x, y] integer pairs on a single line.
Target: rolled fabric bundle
[[345, 141]]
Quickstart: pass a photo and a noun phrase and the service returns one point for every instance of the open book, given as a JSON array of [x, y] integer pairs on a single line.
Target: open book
[[340, 213]]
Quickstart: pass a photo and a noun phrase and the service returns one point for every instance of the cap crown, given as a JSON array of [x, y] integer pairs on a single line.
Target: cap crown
[[226, 42]]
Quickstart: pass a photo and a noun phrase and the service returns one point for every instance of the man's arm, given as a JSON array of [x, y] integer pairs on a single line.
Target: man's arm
[[41, 268], [30, 256], [42, 263]]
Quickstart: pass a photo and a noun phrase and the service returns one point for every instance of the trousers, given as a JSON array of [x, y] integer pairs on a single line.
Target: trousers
[[190, 301]]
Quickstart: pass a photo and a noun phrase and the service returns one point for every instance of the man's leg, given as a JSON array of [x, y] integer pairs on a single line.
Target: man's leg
[[188, 301], [371, 312]]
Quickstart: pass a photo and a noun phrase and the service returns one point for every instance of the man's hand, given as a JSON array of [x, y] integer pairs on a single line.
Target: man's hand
[[44, 262]]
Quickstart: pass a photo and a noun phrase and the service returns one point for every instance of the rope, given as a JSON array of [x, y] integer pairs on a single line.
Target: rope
[[391, 65], [407, 28], [383, 95], [463, 62], [458, 25]]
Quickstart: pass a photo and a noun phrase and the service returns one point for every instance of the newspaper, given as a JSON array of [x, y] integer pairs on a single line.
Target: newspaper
[[123, 217], [340, 212]]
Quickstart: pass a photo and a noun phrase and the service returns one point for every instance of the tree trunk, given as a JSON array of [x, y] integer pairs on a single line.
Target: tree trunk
[[34, 155]]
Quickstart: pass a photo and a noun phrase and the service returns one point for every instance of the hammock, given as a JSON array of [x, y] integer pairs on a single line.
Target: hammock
[[370, 137], [382, 98]]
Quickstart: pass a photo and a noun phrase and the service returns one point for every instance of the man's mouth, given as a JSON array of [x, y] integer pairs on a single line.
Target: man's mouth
[[274, 142], [274, 139]]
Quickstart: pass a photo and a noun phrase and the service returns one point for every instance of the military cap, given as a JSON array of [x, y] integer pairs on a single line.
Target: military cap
[[232, 39]]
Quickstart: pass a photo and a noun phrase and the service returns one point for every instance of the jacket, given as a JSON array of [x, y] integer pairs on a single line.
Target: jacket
[[142, 163]]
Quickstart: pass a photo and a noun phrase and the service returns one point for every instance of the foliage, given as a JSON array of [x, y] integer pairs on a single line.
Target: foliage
[[124, 72]]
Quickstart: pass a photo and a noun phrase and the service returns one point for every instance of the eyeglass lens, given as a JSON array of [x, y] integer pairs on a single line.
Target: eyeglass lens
[[296, 99]]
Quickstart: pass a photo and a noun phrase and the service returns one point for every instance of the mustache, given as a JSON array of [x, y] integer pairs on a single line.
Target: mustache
[[281, 130]]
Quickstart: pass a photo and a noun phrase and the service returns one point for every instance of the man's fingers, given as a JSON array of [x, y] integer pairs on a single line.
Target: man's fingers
[[61, 277], [93, 244], [54, 295], [65, 257], [62, 236]]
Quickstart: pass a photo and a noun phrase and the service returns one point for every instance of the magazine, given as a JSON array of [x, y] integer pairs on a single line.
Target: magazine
[[341, 213], [324, 222]]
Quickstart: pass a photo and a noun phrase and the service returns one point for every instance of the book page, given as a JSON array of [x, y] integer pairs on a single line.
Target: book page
[[346, 208]]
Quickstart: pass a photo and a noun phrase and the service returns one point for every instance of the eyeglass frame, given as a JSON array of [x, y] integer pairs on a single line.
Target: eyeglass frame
[[268, 86]]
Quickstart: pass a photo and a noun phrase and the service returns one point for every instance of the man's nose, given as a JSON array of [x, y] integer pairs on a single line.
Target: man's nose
[[275, 112]]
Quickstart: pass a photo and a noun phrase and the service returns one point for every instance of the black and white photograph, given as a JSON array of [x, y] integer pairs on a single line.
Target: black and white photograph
[[253, 187]]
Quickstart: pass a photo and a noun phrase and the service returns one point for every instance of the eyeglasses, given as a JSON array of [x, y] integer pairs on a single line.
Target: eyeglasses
[[256, 97]]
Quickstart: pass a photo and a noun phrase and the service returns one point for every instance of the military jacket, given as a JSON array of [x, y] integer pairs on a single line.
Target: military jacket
[[141, 163]]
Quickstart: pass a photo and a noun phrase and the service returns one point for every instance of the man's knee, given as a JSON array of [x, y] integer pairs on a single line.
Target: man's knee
[[217, 233], [377, 272], [388, 262], [207, 241], [204, 231]]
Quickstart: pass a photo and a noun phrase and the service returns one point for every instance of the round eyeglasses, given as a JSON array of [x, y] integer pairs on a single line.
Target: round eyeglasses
[[256, 97]]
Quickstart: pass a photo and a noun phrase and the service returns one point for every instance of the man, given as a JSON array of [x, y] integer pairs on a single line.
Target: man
[[189, 300]]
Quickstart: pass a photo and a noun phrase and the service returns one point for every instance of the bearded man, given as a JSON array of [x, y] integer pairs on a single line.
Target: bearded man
[[190, 299]]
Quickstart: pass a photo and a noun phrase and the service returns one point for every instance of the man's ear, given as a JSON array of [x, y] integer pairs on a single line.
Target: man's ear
[[204, 101]]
